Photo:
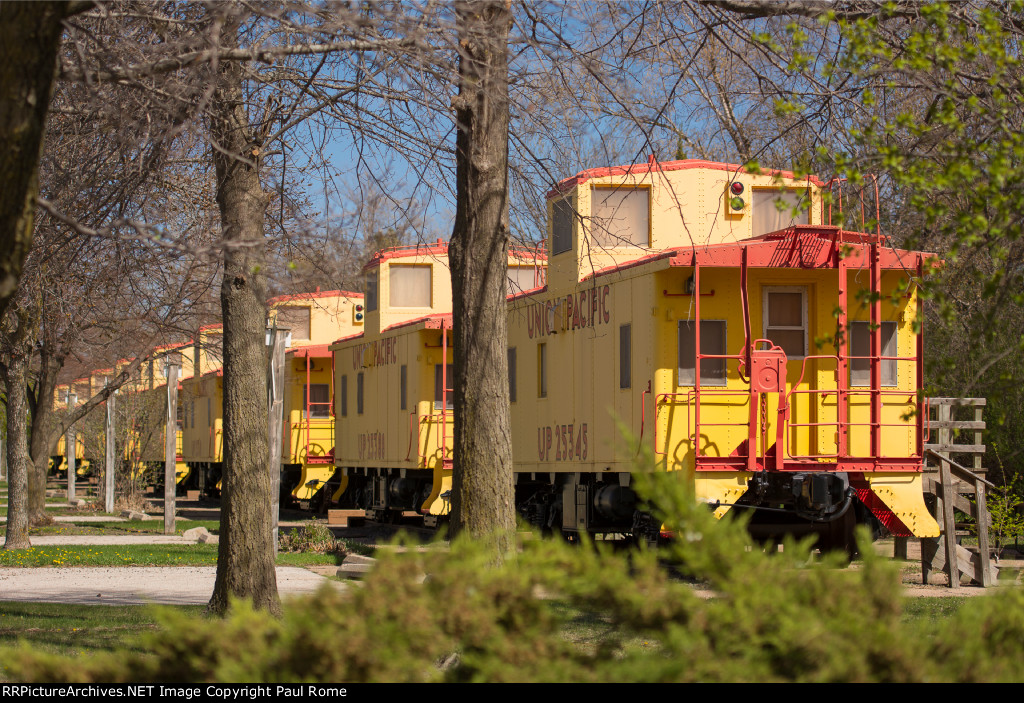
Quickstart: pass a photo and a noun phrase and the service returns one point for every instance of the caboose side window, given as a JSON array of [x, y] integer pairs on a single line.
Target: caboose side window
[[511, 374], [371, 291], [785, 319], [712, 341], [439, 389], [561, 226], [344, 396], [860, 345], [359, 393], [625, 356], [620, 217], [410, 286], [542, 370], [772, 209]]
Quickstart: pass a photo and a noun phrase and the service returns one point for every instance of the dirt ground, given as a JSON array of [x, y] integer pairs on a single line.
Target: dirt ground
[[911, 573]]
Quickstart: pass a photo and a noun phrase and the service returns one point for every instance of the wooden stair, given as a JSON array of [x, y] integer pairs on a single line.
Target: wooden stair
[[955, 481]]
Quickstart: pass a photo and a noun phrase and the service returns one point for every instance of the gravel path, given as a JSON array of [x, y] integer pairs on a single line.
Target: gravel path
[[136, 585]]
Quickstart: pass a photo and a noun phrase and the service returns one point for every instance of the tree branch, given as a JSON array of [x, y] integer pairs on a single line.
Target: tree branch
[[262, 55], [759, 9]]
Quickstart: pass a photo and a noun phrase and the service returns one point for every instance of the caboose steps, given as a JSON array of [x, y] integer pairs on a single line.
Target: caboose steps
[[973, 563]]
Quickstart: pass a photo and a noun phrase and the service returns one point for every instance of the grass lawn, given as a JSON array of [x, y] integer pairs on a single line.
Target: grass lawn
[[141, 555], [52, 509], [932, 611], [113, 555], [73, 630], [308, 559], [126, 527]]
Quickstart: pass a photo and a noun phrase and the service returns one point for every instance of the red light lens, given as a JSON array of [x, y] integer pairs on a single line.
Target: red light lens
[[736, 188]]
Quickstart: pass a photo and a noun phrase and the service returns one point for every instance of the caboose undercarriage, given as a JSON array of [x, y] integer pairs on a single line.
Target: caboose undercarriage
[[799, 504], [385, 493]]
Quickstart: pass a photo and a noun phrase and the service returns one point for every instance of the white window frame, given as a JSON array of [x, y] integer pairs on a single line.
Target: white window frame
[[766, 292]]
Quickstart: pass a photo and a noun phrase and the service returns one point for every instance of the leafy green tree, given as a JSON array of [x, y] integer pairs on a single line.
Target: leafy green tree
[[929, 97]]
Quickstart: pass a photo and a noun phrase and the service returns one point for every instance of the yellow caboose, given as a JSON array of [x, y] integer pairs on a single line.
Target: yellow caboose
[[392, 402], [202, 415], [58, 453], [155, 402], [314, 320], [805, 408]]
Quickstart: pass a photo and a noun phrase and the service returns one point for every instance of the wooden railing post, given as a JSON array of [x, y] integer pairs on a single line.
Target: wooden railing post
[[984, 522], [948, 520]]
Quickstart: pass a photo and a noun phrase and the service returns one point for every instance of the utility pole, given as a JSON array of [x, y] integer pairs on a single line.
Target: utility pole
[[170, 444], [70, 447], [111, 457]]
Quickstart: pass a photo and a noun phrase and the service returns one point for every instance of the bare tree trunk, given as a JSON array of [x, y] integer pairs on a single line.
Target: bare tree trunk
[[245, 565], [15, 376], [29, 39], [43, 437], [483, 501]]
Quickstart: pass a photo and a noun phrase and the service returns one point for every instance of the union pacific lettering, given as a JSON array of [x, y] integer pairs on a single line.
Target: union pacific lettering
[[587, 308], [379, 353]]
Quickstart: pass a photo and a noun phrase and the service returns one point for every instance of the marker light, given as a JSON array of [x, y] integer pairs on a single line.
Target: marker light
[[736, 188], [737, 203]]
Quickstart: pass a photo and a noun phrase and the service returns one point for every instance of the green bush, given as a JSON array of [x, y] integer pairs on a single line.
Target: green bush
[[315, 536], [437, 615]]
